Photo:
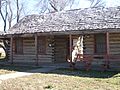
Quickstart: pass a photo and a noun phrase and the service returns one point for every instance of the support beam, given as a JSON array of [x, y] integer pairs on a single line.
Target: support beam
[[70, 42], [107, 48], [107, 41], [36, 48], [11, 50]]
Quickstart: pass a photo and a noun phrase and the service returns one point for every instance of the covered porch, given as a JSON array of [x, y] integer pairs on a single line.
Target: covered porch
[[100, 49]]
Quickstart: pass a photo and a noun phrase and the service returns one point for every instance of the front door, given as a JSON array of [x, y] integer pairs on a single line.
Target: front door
[[61, 48]]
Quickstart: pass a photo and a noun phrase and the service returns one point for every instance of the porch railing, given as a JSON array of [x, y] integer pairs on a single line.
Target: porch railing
[[107, 60]]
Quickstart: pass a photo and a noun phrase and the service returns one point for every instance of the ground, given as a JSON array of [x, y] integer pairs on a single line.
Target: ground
[[65, 79], [5, 69]]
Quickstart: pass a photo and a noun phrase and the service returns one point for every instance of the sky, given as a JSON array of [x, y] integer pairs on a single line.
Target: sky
[[31, 5], [112, 3], [77, 4]]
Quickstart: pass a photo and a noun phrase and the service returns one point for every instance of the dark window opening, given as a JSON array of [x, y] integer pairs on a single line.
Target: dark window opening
[[42, 45], [19, 46], [100, 43]]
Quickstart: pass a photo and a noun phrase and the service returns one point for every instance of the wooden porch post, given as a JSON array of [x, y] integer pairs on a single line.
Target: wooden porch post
[[11, 49], [36, 48], [107, 37], [70, 42], [108, 48]]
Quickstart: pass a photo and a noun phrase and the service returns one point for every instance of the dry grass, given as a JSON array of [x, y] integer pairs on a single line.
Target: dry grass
[[65, 80], [3, 71]]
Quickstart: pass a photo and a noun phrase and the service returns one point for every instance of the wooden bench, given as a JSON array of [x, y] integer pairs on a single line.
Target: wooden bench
[[109, 59], [87, 59], [114, 59], [104, 62]]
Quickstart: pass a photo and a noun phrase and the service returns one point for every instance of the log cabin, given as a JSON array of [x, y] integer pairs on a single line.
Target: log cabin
[[48, 38]]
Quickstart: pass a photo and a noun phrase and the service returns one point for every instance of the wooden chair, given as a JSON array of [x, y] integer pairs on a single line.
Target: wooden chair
[[87, 58]]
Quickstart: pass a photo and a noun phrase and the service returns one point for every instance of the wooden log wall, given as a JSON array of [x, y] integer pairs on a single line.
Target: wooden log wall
[[88, 48], [60, 50], [114, 43], [88, 44], [29, 52], [114, 49]]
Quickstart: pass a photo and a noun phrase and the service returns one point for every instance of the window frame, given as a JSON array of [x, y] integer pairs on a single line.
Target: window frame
[[95, 44]]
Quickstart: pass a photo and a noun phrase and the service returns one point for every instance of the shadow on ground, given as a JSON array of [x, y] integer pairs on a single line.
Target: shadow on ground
[[83, 73], [17, 68], [58, 69]]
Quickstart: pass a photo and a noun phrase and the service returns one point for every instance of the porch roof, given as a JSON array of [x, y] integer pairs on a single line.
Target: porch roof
[[72, 20]]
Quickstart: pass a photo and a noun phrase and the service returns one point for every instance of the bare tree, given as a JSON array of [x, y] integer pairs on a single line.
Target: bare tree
[[19, 9], [59, 5], [3, 4], [6, 12], [97, 3], [54, 5], [10, 14], [14, 13]]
